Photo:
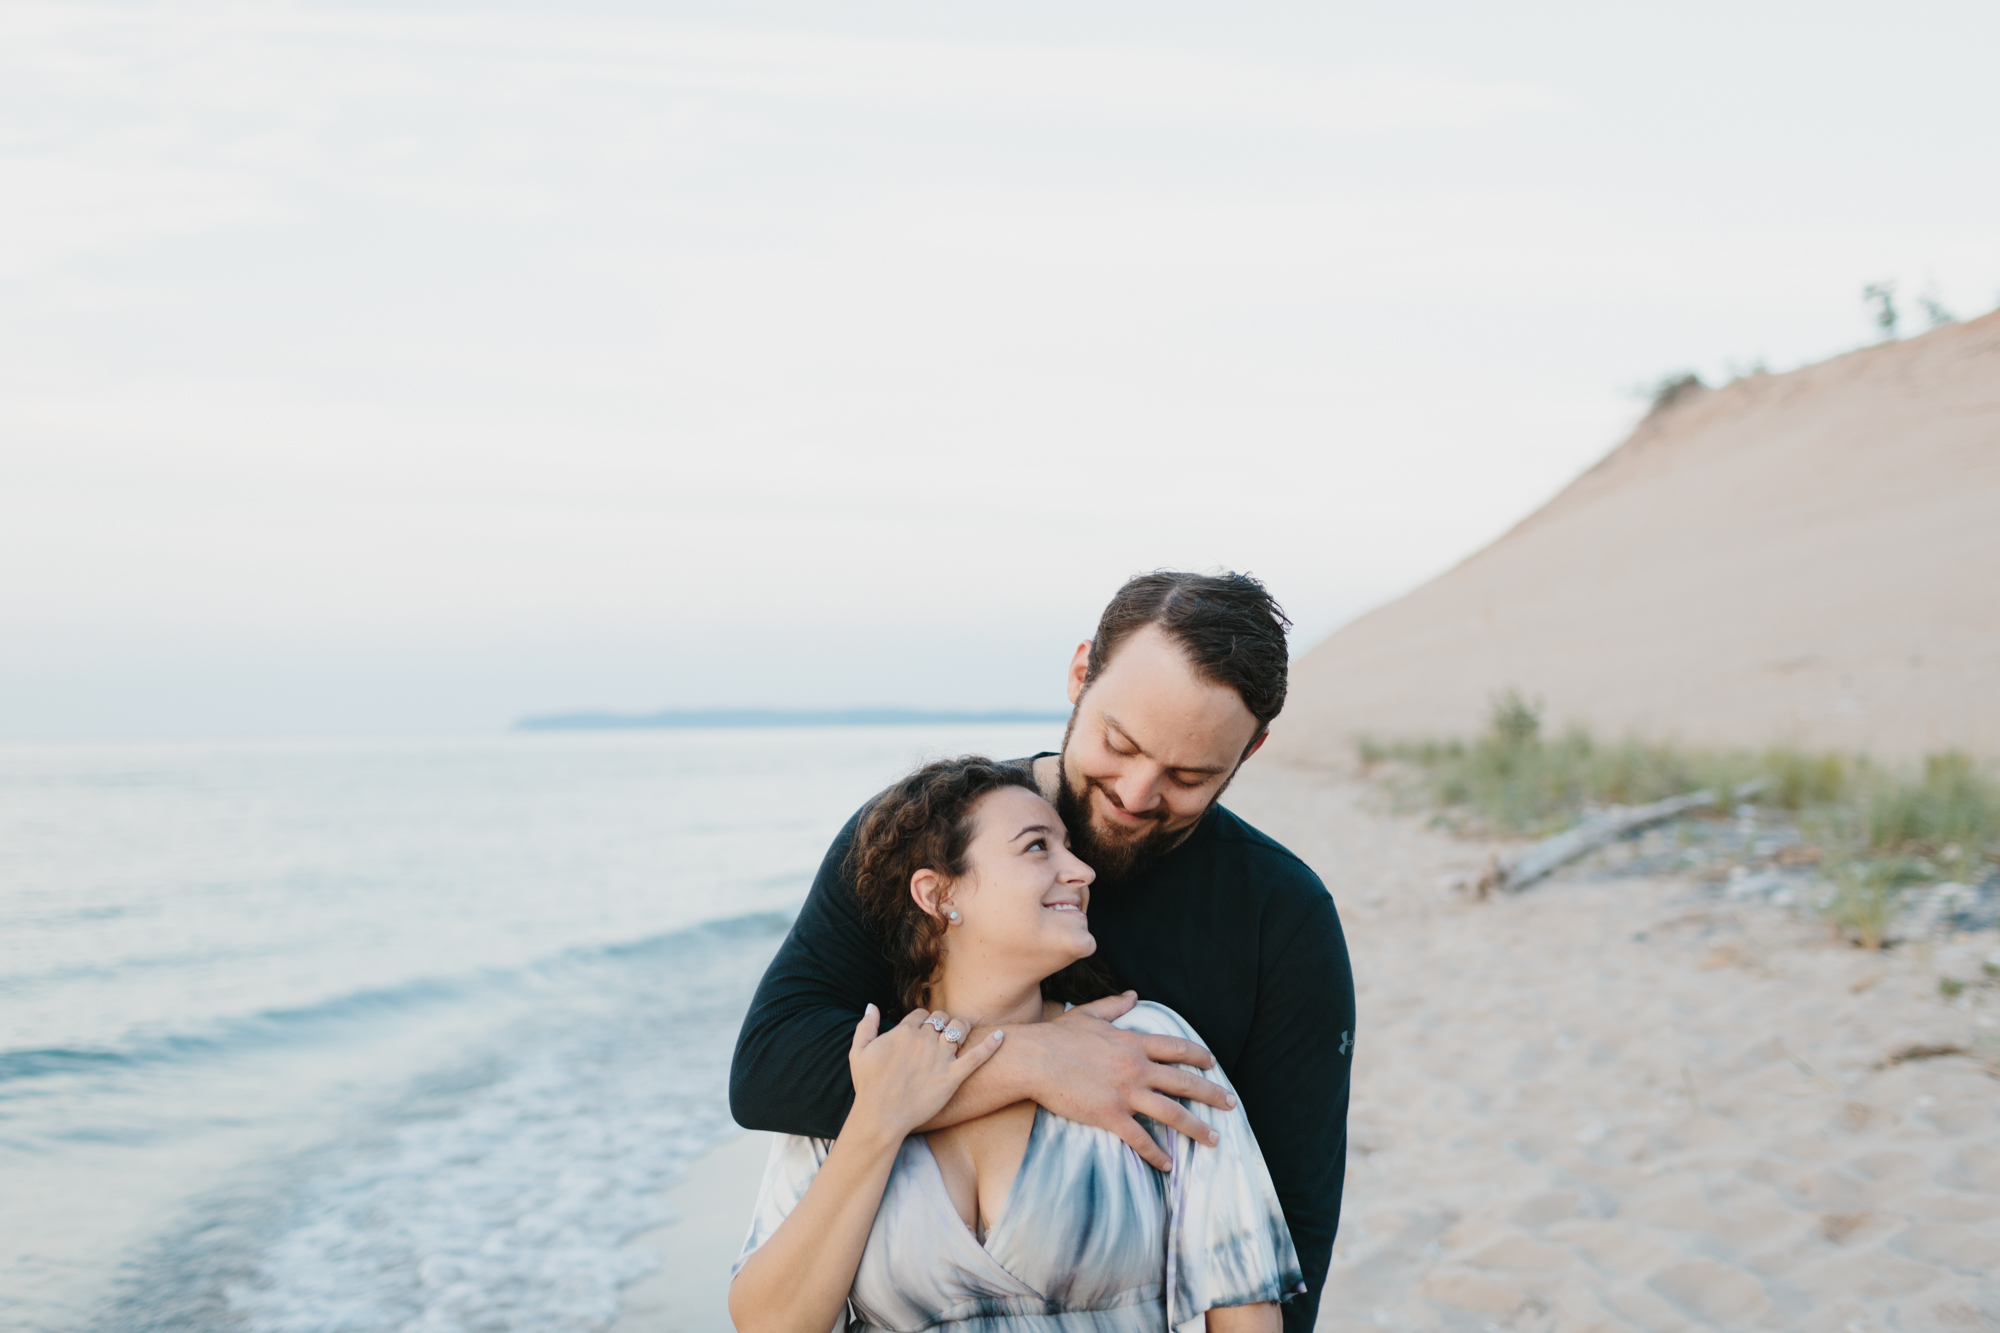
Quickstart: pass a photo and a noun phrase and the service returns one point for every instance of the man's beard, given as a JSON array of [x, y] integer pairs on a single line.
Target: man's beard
[[1116, 860]]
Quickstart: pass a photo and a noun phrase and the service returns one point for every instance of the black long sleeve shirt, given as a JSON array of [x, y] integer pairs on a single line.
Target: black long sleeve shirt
[[1229, 929]]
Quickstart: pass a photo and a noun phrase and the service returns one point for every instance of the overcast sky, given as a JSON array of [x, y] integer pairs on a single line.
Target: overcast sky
[[416, 366]]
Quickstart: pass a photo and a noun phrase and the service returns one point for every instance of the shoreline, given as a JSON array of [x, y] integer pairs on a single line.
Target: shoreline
[[689, 1291]]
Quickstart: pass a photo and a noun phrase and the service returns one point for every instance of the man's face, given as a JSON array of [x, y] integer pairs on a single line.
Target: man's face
[[1150, 747]]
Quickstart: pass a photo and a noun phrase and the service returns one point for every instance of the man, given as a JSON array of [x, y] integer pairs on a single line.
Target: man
[[1192, 907]]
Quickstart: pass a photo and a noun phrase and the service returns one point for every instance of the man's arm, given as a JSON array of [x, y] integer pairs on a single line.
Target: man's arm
[[1083, 1069], [790, 1073], [1294, 1075]]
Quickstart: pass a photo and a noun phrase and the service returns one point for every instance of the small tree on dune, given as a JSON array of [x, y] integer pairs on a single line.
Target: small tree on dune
[[1882, 297], [1934, 310]]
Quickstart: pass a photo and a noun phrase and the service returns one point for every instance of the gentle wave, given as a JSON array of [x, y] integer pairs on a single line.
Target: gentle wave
[[503, 1192], [328, 1017]]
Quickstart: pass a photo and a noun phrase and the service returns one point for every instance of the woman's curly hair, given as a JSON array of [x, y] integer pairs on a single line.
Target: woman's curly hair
[[924, 822]]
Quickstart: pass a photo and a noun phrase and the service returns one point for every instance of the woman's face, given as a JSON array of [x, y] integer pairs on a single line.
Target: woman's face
[[1024, 897]]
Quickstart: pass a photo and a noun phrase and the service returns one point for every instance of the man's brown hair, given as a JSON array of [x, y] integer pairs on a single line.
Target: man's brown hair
[[1229, 625]]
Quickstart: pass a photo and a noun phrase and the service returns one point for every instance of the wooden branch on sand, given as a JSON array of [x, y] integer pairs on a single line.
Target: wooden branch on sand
[[1511, 874]]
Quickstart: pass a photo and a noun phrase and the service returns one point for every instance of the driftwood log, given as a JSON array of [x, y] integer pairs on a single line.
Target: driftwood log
[[1511, 874]]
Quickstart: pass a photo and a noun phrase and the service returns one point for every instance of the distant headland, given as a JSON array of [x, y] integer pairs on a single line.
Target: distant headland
[[685, 719]]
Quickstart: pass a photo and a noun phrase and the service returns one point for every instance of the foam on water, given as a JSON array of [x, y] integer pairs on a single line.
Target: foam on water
[[510, 1210]]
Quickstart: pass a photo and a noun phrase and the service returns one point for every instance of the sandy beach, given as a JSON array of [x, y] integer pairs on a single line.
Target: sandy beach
[[1620, 1102], [689, 1291], [1610, 1102]]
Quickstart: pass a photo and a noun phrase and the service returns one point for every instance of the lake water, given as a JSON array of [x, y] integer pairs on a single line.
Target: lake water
[[386, 1035]]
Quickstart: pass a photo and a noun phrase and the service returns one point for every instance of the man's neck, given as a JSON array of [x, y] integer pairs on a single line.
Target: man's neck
[[1048, 776]]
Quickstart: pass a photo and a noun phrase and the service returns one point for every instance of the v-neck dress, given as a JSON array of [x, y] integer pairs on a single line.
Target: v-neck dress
[[1090, 1239]]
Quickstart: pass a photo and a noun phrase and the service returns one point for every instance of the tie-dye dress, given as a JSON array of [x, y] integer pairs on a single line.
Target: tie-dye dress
[[1090, 1239]]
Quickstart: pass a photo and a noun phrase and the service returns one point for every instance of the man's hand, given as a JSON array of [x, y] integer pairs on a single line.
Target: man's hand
[[1088, 1071]]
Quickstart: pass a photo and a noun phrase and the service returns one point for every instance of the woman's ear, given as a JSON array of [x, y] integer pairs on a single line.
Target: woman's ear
[[927, 890]]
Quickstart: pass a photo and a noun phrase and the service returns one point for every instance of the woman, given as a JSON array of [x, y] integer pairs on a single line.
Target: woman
[[1019, 1221]]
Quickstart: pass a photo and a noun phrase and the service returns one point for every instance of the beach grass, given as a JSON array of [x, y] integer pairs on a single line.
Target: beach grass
[[1876, 828]]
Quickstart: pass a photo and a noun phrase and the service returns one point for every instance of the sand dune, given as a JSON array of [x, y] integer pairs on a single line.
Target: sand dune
[[1809, 557]]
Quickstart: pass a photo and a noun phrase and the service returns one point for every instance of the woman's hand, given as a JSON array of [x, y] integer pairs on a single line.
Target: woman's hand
[[904, 1076], [798, 1280]]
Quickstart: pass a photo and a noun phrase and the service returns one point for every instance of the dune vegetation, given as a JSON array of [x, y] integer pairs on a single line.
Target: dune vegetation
[[1874, 828]]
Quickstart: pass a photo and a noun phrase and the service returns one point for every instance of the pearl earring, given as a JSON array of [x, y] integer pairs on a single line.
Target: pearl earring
[[951, 913]]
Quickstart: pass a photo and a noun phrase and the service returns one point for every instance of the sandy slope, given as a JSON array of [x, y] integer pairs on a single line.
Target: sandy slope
[[1617, 1103], [1812, 557]]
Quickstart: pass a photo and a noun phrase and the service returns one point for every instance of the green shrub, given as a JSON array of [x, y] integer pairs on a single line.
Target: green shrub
[[1877, 830], [1799, 779], [1513, 778], [1950, 812], [1865, 895], [1672, 389]]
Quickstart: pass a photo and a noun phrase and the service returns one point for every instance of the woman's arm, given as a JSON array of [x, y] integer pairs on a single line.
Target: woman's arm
[[1263, 1317], [797, 1281]]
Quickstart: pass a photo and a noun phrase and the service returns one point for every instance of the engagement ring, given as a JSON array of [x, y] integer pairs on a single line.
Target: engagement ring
[[936, 1021], [953, 1035]]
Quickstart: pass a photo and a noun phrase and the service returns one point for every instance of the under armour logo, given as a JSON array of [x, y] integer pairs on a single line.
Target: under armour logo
[[1346, 1042]]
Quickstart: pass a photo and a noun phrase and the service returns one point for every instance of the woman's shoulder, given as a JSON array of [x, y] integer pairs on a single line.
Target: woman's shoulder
[[1150, 1016]]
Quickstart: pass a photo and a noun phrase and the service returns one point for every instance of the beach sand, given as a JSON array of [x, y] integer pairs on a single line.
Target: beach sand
[[1610, 1102], [1623, 1103], [689, 1291]]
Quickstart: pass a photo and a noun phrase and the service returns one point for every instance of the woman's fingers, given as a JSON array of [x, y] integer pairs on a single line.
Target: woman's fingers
[[866, 1030], [913, 1018], [974, 1056]]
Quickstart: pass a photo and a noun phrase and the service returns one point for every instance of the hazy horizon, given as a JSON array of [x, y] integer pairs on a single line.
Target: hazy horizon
[[421, 368]]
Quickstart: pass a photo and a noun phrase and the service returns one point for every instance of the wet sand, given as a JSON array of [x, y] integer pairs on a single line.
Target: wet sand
[[689, 1291]]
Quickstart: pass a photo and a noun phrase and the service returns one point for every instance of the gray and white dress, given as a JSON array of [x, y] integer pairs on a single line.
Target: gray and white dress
[[1090, 1239]]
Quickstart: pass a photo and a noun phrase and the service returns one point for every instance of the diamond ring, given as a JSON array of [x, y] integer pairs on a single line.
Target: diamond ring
[[936, 1021], [953, 1035]]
